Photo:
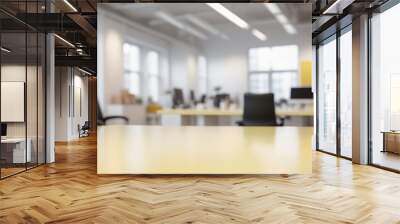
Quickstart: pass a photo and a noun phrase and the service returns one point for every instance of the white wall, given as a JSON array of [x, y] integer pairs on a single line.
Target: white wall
[[70, 83]]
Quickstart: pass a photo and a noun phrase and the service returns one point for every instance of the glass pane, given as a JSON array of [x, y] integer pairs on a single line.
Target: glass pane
[[131, 57], [385, 89], [41, 99], [346, 94], [260, 59], [13, 87], [282, 82], [132, 83], [31, 100], [327, 97], [284, 58], [259, 83], [152, 63], [153, 88], [202, 74]]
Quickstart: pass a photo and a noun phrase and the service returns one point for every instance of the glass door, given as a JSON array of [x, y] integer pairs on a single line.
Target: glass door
[[326, 90], [346, 92]]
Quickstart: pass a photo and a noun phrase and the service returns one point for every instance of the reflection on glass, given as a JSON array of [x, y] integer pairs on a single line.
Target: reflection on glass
[[31, 100], [153, 73], [132, 68], [327, 97], [346, 94], [385, 89], [15, 150]]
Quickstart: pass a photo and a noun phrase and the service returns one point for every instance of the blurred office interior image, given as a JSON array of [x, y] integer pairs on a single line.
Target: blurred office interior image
[[205, 64]]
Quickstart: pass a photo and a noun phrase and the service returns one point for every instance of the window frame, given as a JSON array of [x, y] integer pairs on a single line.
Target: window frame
[[270, 71]]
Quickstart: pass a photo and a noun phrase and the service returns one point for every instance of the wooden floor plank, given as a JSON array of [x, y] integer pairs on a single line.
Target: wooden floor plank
[[70, 191]]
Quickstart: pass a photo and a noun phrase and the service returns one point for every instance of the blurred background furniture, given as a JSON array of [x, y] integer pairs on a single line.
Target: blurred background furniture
[[259, 110], [101, 120], [391, 141]]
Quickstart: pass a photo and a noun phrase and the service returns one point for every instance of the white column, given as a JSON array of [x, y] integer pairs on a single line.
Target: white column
[[360, 90], [50, 99]]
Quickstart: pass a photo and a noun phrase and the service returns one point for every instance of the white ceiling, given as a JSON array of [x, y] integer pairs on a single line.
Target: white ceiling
[[255, 14]]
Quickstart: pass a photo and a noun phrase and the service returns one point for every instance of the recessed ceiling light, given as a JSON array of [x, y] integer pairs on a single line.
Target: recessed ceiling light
[[65, 41], [290, 28], [229, 15], [171, 20], [259, 35], [70, 5], [5, 50], [84, 71], [282, 19], [273, 8], [328, 10]]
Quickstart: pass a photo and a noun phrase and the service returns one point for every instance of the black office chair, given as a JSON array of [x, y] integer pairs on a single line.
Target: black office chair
[[84, 129], [101, 120], [259, 110]]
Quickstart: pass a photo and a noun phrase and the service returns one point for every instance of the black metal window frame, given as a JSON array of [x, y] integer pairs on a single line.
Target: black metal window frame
[[334, 37]]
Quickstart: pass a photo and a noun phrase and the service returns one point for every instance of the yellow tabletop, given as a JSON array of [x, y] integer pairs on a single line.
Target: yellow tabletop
[[203, 150], [307, 112]]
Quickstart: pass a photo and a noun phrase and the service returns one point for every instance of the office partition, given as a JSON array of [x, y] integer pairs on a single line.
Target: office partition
[[23, 87], [334, 94], [327, 95]]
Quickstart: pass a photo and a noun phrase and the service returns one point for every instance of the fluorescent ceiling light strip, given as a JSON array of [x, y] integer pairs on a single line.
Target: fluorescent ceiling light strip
[[169, 19], [290, 28], [259, 35], [5, 50], [84, 71], [65, 41], [282, 19], [229, 15], [202, 24], [195, 32], [331, 6], [70, 5], [273, 8]]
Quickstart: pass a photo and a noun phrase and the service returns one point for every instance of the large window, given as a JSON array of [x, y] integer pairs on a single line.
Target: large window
[[153, 75], [346, 94], [132, 68], [385, 89], [327, 96], [269, 73], [202, 75]]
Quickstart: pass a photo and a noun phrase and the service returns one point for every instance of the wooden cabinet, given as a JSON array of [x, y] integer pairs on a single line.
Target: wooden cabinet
[[391, 142]]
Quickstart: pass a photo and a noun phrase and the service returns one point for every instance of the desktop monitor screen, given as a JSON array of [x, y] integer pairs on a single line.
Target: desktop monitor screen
[[301, 93], [3, 129], [177, 97]]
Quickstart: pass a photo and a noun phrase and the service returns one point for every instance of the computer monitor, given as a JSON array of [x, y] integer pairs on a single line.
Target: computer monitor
[[3, 129], [192, 96], [177, 97], [219, 98], [300, 93]]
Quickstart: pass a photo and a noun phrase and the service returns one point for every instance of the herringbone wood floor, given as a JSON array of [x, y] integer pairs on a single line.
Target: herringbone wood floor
[[69, 191]]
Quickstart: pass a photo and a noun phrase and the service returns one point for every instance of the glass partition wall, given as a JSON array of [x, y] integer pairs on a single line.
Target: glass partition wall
[[22, 77], [334, 87], [385, 89]]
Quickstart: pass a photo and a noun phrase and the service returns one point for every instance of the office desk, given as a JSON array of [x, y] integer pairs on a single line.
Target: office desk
[[203, 150], [226, 117], [16, 153]]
